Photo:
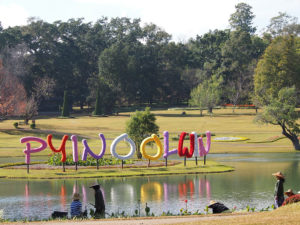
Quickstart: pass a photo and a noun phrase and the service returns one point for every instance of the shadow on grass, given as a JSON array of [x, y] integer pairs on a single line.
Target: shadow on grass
[[39, 133], [206, 115]]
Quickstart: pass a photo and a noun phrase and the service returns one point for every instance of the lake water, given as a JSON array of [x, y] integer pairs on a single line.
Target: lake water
[[250, 184]]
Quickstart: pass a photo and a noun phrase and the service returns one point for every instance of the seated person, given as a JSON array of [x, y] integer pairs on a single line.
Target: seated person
[[217, 207], [76, 206], [289, 193], [292, 198]]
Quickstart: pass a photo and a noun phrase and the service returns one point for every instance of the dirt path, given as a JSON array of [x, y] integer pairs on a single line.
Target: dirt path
[[143, 221]]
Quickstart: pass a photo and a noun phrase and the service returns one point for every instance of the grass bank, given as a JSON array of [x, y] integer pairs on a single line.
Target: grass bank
[[289, 214], [190, 168]]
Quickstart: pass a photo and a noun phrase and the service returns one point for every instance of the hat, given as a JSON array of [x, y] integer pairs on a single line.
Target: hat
[[212, 202], [76, 196], [96, 186], [290, 191], [278, 174]]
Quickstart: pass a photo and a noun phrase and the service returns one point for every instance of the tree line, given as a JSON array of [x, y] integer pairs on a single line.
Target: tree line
[[120, 62]]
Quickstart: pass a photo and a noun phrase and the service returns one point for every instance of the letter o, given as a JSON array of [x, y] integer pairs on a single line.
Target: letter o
[[116, 141], [159, 147]]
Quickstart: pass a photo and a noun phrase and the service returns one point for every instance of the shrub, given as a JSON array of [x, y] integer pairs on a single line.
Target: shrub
[[54, 160], [16, 124], [140, 125]]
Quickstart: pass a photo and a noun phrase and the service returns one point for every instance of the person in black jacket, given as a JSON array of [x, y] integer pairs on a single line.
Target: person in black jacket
[[99, 201], [217, 207], [278, 192]]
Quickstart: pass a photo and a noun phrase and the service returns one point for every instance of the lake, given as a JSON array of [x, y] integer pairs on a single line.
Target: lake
[[250, 184]]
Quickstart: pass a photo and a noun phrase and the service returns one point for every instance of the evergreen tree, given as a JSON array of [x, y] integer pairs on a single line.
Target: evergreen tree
[[65, 110], [278, 68], [98, 109]]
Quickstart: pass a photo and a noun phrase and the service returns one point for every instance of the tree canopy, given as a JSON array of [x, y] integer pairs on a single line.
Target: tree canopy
[[279, 67], [281, 111]]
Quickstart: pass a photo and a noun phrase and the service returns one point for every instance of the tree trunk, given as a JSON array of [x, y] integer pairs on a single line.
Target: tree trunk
[[293, 137], [138, 152], [201, 112], [210, 109], [296, 144]]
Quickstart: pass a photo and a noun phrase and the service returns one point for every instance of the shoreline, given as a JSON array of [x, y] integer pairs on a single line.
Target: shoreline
[[274, 217], [174, 168]]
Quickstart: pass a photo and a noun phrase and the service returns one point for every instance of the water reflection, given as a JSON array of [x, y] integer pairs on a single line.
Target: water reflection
[[152, 191], [251, 184]]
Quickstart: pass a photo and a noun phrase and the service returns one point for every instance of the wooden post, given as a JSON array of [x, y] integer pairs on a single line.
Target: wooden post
[[184, 160], [196, 160], [122, 164], [28, 168], [149, 163], [204, 159], [97, 164], [76, 166], [64, 169], [166, 162]]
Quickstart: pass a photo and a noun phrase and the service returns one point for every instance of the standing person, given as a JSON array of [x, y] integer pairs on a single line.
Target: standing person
[[278, 193], [76, 206], [99, 201]]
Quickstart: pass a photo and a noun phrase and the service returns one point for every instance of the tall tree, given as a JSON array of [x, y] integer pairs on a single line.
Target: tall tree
[[12, 94], [283, 24], [242, 18], [207, 94], [279, 67], [238, 65], [206, 51]]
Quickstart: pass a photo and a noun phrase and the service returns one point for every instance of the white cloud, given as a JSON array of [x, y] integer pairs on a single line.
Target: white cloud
[[12, 15]]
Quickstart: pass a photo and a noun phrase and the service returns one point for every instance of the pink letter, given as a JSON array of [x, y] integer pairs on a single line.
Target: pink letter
[[204, 150], [75, 148], [29, 150]]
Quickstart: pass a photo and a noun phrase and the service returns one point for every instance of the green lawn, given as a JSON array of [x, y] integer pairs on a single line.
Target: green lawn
[[222, 123]]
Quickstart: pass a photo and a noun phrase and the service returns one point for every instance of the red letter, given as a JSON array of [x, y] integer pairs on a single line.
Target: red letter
[[185, 151], [62, 147]]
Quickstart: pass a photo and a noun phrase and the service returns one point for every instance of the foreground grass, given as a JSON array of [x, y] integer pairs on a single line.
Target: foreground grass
[[289, 214], [210, 167]]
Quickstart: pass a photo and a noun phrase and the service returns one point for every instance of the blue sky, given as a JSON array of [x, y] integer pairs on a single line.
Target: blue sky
[[182, 19]]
